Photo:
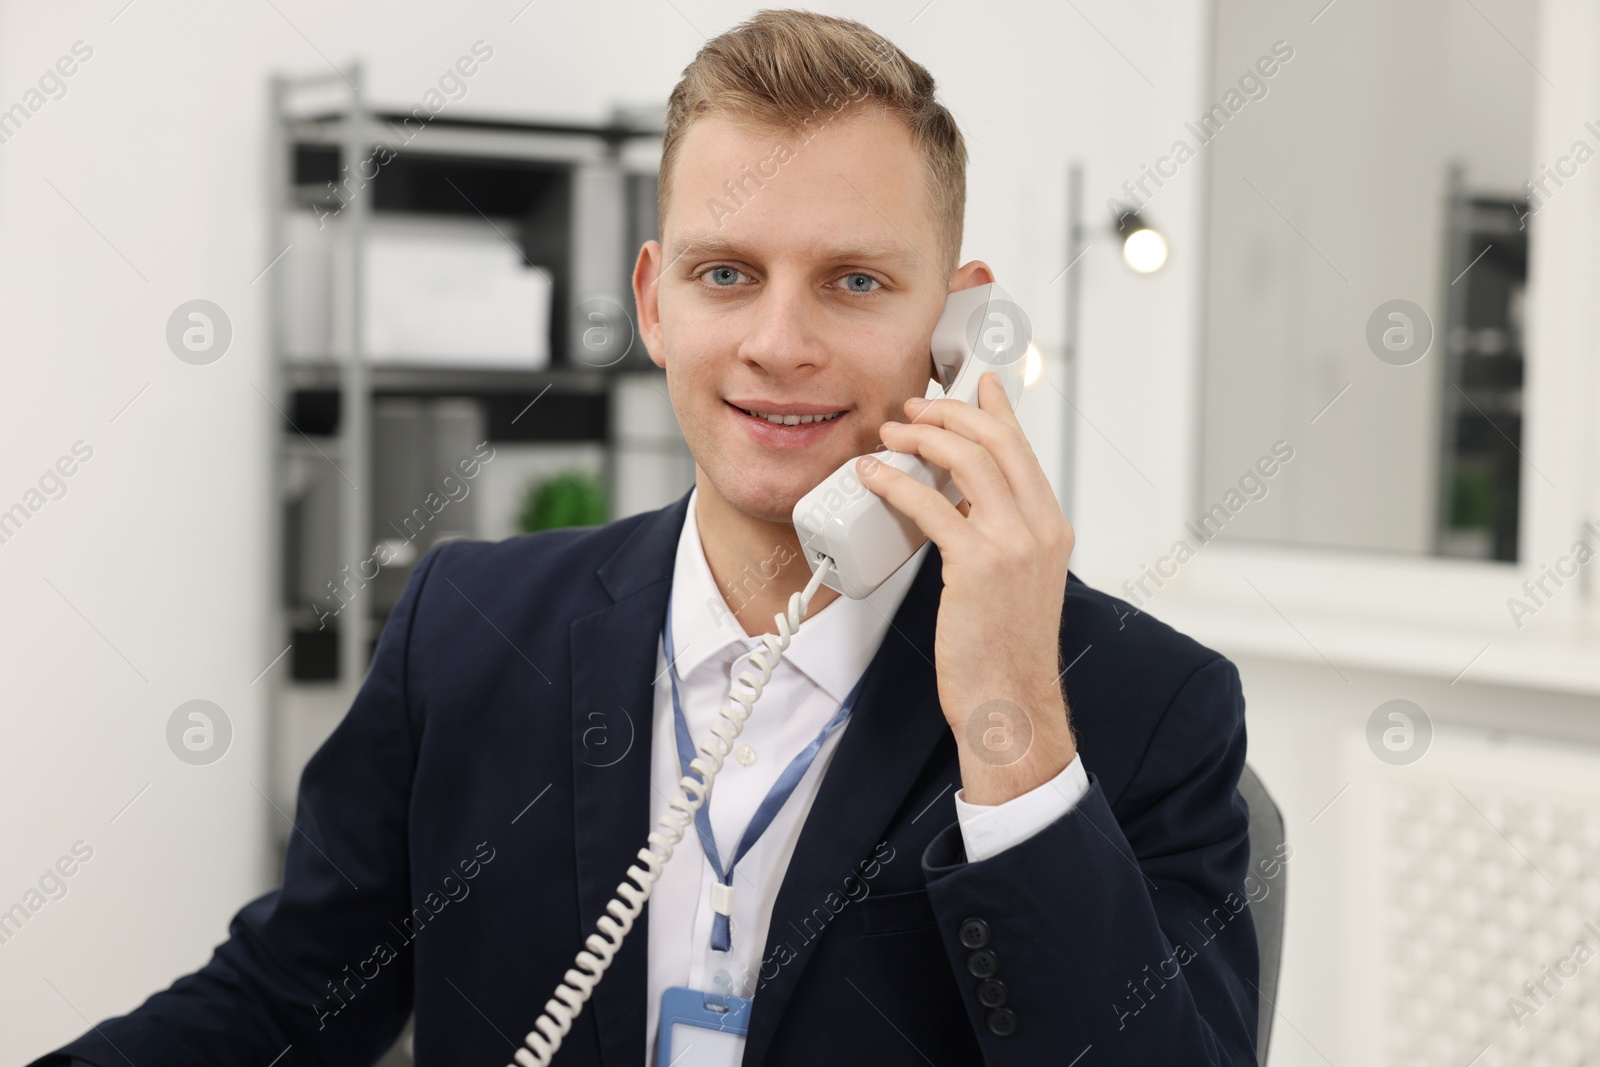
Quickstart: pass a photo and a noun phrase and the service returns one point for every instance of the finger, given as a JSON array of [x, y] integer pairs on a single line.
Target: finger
[[994, 425], [922, 504], [1039, 503], [971, 465], [993, 398]]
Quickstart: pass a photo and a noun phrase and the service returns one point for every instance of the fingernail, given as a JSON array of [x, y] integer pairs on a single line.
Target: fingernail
[[868, 464], [918, 403]]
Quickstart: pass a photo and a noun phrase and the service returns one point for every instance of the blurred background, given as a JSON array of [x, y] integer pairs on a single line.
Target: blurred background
[[293, 291]]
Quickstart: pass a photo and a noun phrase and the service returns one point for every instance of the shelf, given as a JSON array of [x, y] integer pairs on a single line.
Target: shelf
[[576, 401], [609, 131], [471, 136], [405, 379]]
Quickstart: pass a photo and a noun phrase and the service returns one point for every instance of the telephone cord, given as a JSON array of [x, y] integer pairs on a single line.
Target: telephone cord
[[563, 1007]]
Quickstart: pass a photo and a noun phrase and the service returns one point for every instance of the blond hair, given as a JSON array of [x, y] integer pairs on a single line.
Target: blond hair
[[784, 69]]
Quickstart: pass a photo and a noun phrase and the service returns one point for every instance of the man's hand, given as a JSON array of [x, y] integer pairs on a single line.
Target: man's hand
[[997, 648]]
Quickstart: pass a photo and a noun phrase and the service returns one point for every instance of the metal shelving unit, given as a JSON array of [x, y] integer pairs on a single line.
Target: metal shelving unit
[[575, 198], [1480, 404]]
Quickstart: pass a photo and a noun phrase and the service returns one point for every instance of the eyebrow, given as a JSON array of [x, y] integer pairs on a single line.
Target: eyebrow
[[716, 245]]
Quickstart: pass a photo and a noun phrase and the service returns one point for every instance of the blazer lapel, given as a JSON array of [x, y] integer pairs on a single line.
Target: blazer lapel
[[890, 737], [613, 670]]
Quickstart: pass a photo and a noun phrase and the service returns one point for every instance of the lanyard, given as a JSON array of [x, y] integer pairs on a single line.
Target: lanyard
[[721, 937]]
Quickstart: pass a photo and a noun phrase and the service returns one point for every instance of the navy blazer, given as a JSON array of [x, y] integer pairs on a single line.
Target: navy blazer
[[461, 830]]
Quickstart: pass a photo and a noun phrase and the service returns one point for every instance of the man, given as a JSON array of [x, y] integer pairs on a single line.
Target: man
[[952, 862]]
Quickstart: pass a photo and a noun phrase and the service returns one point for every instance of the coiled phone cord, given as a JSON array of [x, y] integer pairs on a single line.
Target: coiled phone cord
[[574, 991]]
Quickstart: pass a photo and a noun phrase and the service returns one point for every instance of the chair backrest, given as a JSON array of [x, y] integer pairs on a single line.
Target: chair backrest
[[1266, 836]]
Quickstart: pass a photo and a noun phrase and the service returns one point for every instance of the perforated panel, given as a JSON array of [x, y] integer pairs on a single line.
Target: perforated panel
[[1490, 905]]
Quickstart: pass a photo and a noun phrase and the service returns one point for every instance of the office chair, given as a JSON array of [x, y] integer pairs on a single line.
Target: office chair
[[1266, 834]]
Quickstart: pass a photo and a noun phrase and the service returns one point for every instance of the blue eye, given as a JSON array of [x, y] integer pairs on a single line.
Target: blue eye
[[851, 279], [722, 276]]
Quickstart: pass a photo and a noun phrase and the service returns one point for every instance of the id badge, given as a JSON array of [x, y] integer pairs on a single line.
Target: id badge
[[695, 1031]]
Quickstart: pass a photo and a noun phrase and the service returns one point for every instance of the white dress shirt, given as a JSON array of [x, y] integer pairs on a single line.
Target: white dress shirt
[[825, 659]]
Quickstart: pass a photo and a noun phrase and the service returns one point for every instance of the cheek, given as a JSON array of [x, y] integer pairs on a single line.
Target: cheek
[[696, 338], [702, 363], [683, 345], [903, 374]]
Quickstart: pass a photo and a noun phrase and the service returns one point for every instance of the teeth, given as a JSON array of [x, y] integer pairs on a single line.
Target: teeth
[[793, 420]]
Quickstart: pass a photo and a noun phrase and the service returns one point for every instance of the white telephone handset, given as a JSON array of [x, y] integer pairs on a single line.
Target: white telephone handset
[[844, 521], [849, 535]]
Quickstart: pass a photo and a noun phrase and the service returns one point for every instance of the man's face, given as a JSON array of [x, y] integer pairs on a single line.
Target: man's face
[[815, 291]]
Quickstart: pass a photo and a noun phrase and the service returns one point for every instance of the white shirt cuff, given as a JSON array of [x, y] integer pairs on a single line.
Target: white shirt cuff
[[988, 829]]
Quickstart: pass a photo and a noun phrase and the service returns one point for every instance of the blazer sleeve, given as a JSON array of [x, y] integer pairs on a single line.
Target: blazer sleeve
[[298, 977], [1123, 928]]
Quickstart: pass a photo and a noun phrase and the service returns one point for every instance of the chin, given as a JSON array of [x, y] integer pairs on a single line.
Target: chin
[[770, 496], [770, 501]]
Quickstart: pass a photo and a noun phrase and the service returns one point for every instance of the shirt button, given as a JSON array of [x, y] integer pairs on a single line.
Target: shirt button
[[1002, 1022], [974, 933], [745, 755], [991, 993], [983, 963]]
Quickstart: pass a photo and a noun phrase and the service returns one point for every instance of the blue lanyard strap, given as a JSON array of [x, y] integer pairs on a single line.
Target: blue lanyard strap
[[721, 935]]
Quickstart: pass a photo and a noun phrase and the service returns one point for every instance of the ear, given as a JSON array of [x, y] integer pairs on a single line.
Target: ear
[[646, 292], [972, 273]]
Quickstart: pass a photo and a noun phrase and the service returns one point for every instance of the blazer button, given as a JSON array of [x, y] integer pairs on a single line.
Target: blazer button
[[1002, 1022], [991, 993], [983, 963], [974, 933]]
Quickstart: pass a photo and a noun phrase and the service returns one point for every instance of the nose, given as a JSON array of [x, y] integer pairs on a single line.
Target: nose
[[784, 330]]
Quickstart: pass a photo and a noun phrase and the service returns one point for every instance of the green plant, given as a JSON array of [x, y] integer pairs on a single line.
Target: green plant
[[571, 498], [1471, 499]]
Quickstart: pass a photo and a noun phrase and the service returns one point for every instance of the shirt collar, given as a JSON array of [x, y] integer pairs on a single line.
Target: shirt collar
[[832, 648]]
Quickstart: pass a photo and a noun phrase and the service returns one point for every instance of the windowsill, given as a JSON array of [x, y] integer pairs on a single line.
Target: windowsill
[[1560, 654]]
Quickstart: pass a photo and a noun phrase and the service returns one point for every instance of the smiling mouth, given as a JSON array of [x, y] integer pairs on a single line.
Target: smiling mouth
[[788, 420]]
